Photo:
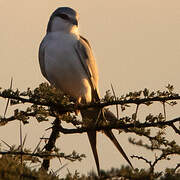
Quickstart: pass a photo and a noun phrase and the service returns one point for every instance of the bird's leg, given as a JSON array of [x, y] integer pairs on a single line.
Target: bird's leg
[[99, 119], [77, 111]]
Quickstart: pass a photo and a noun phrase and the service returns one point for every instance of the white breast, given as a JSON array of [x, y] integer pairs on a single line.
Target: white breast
[[63, 67]]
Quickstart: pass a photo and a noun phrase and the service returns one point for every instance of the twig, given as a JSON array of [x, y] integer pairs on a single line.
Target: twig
[[162, 156], [148, 162], [142, 158]]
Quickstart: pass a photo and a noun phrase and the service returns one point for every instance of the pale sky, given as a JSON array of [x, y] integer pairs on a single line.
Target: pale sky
[[136, 44]]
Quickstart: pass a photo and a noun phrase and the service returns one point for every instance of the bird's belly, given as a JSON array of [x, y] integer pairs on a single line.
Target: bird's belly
[[69, 76]]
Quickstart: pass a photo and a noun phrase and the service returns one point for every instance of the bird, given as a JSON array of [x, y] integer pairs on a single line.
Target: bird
[[67, 62]]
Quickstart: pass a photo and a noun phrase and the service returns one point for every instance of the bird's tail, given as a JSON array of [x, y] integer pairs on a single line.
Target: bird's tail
[[111, 117], [92, 140], [90, 116], [111, 136]]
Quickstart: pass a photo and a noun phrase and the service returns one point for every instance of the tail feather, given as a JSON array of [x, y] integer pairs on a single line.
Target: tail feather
[[111, 136], [92, 140], [91, 116]]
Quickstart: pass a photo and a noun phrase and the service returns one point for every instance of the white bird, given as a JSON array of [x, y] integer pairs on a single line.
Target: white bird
[[67, 62]]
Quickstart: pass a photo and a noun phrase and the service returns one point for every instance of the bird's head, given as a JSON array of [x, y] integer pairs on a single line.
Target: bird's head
[[63, 19]]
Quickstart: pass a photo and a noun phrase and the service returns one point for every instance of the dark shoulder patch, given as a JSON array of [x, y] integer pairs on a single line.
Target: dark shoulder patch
[[85, 41], [83, 49]]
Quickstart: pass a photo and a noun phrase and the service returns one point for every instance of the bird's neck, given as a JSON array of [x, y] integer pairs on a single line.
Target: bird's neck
[[73, 30], [58, 26]]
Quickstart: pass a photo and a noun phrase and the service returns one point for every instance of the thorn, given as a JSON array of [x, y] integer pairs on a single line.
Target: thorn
[[164, 109], [6, 144], [38, 144], [60, 168], [24, 140], [49, 128], [21, 147], [117, 109], [8, 98]]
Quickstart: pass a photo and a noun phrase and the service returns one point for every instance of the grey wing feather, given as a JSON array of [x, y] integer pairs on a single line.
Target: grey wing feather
[[84, 53], [42, 59]]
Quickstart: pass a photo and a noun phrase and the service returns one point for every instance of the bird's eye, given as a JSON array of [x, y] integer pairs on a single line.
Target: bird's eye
[[63, 16]]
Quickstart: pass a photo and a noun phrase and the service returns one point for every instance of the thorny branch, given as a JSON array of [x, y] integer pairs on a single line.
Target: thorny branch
[[48, 103], [118, 126], [41, 155], [72, 107]]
